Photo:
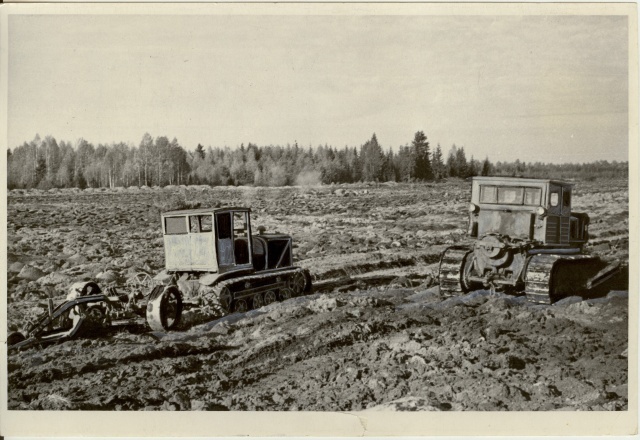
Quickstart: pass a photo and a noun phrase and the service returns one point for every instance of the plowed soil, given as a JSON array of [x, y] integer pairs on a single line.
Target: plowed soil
[[377, 336]]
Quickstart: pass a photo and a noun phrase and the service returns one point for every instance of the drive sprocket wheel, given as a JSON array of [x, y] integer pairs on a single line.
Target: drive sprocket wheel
[[297, 284]]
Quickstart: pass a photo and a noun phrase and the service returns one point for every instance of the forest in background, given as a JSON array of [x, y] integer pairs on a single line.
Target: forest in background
[[45, 163]]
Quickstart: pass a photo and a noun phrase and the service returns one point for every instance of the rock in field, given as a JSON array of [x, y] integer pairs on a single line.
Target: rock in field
[[107, 276], [54, 279], [324, 304], [30, 273], [16, 267], [78, 259]]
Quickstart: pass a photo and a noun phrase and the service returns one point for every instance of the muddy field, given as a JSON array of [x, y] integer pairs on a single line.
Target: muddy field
[[379, 336]]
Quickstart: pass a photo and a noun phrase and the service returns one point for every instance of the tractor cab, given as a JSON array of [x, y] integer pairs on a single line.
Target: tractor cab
[[536, 210], [220, 241]]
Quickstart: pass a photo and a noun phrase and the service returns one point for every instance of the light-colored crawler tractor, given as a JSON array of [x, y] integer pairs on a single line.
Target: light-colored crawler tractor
[[214, 254], [527, 241]]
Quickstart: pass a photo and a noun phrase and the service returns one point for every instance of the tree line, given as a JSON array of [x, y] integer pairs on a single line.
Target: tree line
[[45, 163]]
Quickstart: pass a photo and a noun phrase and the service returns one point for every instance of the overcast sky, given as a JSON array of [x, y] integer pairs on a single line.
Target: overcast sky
[[547, 88]]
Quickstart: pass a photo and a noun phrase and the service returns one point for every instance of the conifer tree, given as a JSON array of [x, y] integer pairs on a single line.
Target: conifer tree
[[486, 167], [423, 170], [437, 163], [372, 160]]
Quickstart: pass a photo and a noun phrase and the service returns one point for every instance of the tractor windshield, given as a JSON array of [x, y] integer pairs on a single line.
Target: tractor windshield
[[510, 195], [532, 196]]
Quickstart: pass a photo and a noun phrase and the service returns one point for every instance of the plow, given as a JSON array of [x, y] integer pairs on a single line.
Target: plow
[[88, 310]]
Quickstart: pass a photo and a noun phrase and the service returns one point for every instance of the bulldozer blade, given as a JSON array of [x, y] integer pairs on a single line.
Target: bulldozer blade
[[603, 275]]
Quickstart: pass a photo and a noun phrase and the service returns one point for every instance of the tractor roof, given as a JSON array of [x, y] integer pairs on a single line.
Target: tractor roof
[[205, 211], [520, 180]]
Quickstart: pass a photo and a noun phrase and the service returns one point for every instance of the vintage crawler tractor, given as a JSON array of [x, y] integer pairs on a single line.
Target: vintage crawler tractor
[[527, 241], [213, 262], [214, 255]]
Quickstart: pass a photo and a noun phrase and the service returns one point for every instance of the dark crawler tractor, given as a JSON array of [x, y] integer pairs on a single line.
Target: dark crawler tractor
[[213, 262], [527, 240]]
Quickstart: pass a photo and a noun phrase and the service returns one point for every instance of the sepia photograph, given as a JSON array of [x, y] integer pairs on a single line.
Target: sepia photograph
[[271, 212]]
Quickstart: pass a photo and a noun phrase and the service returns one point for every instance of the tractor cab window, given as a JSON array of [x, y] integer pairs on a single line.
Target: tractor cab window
[[194, 224], [532, 196], [510, 195], [200, 223], [206, 223], [241, 237], [487, 194], [240, 224], [566, 198], [224, 225], [224, 245], [554, 199], [175, 225], [566, 201]]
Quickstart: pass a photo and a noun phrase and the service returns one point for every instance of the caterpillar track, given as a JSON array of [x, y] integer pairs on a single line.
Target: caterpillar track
[[551, 276], [547, 277], [449, 275], [240, 294]]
